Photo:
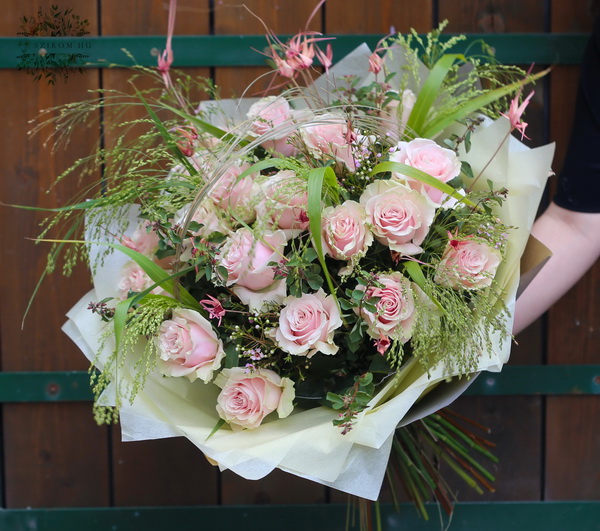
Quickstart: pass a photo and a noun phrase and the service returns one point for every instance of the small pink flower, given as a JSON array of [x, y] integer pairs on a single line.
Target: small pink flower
[[249, 395], [188, 346], [307, 325], [425, 155], [395, 315], [515, 113], [398, 216], [134, 279], [375, 63], [467, 264], [214, 308]]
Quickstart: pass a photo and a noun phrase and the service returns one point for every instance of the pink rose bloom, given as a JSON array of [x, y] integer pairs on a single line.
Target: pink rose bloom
[[395, 122], [328, 136], [230, 192], [247, 259], [143, 241], [188, 346], [399, 217], [307, 325], [285, 202], [395, 314], [268, 115], [134, 278], [344, 231], [427, 156], [467, 264], [248, 397]]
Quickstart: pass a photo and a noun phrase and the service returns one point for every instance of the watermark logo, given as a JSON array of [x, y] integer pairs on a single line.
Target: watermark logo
[[49, 59]]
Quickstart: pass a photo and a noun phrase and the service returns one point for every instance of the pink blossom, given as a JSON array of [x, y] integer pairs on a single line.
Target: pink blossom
[[188, 346], [515, 113], [268, 115], [249, 395], [399, 217], [246, 259], [307, 325], [467, 264], [395, 315], [427, 156], [284, 202], [344, 231], [214, 308], [330, 136]]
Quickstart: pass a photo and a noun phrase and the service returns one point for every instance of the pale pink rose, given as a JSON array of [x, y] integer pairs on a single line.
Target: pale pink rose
[[268, 115], [284, 202], [344, 231], [399, 216], [188, 346], [329, 136], [307, 325], [467, 264], [425, 155], [247, 259], [134, 279], [395, 316], [143, 241], [232, 193], [247, 397], [212, 219], [395, 121]]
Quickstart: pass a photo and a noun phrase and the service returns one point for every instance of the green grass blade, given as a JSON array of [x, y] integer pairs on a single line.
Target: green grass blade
[[315, 189], [437, 125], [421, 176], [429, 93]]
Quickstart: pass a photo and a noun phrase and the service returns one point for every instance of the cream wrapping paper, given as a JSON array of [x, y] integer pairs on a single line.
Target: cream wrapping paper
[[306, 443]]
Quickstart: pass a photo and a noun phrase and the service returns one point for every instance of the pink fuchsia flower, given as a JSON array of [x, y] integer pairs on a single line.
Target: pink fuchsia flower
[[398, 216], [165, 59], [214, 308], [395, 315], [375, 63], [467, 264], [188, 346], [344, 231], [307, 325], [329, 135], [246, 259], [427, 156], [326, 57], [515, 113], [248, 396]]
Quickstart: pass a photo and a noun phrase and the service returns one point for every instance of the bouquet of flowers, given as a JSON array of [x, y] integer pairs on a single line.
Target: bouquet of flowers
[[288, 280]]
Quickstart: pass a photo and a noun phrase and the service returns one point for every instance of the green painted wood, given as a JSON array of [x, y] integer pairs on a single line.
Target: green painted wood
[[241, 50], [499, 516], [513, 380]]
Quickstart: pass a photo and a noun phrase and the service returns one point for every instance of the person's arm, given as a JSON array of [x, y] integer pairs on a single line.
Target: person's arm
[[574, 239]]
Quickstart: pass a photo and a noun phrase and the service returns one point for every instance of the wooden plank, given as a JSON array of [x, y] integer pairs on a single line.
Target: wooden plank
[[51, 450], [167, 471], [364, 16], [572, 434], [278, 15]]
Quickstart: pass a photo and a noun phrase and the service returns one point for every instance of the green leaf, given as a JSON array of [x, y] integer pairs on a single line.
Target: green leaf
[[429, 93], [217, 427], [231, 356], [425, 178], [416, 274], [315, 188], [473, 105]]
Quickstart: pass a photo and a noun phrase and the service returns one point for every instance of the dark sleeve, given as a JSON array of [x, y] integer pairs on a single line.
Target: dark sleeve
[[579, 181]]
